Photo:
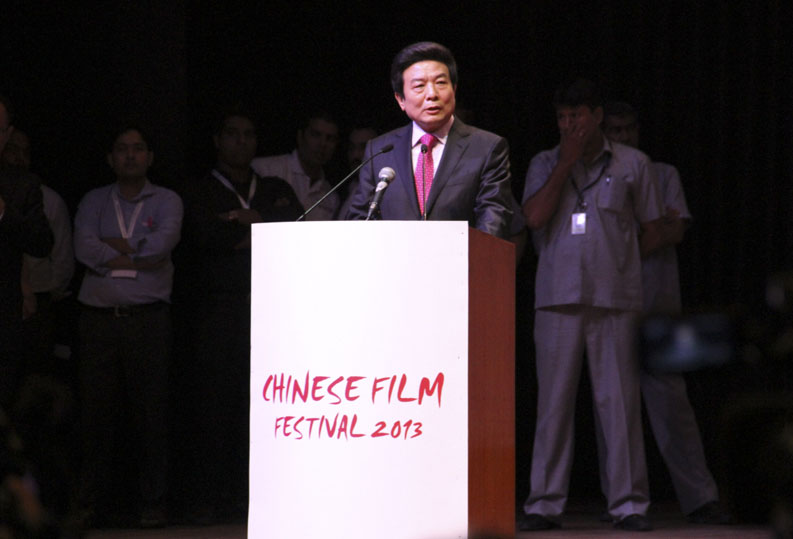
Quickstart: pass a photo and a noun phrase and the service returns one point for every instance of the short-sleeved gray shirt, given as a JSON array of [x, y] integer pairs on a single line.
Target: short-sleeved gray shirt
[[660, 276], [602, 267]]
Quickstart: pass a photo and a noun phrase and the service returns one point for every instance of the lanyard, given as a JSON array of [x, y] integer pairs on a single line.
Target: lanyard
[[126, 233], [580, 192], [227, 184]]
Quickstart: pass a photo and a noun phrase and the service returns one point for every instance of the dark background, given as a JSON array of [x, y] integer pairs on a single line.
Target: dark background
[[712, 81]]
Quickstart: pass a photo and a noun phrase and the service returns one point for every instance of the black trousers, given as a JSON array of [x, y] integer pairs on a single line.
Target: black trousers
[[11, 356], [220, 377], [124, 364]]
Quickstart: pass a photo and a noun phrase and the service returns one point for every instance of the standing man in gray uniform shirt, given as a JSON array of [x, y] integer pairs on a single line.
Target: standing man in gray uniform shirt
[[582, 201]]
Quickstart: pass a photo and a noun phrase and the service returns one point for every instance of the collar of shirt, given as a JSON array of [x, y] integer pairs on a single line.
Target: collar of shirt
[[145, 192], [296, 167], [441, 134], [605, 151]]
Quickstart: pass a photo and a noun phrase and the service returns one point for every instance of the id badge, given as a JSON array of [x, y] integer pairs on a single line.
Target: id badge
[[124, 274], [578, 225]]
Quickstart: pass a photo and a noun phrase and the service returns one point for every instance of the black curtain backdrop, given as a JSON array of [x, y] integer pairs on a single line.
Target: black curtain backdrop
[[711, 80]]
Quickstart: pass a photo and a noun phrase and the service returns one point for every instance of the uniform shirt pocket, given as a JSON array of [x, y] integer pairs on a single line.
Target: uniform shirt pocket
[[612, 194]]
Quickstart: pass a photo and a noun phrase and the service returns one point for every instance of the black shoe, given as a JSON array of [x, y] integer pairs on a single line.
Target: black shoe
[[533, 522], [634, 523], [710, 513]]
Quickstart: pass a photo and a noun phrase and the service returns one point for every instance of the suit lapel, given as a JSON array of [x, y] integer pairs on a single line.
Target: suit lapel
[[404, 167], [456, 144]]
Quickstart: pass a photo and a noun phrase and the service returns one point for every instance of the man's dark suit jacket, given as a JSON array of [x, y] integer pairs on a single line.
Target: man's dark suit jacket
[[23, 229], [471, 184]]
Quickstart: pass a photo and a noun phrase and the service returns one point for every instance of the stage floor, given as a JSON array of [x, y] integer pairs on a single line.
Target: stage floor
[[580, 521]]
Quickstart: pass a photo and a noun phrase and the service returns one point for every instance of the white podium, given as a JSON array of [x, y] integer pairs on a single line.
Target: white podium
[[382, 381]]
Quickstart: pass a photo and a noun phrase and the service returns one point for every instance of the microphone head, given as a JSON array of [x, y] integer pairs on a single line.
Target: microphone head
[[424, 148], [386, 174], [387, 148]]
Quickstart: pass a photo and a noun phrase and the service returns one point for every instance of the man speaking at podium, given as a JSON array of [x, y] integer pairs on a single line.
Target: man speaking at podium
[[445, 170]]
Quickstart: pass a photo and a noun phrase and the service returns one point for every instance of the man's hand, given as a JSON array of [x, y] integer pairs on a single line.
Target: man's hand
[[673, 227], [242, 216], [571, 146], [663, 232], [119, 244], [120, 262]]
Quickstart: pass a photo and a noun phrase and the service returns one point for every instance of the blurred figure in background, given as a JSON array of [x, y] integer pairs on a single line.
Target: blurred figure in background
[[304, 168], [671, 416], [23, 230], [356, 147], [46, 279], [216, 280]]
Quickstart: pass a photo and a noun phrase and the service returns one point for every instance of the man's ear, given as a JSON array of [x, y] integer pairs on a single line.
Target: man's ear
[[400, 100]]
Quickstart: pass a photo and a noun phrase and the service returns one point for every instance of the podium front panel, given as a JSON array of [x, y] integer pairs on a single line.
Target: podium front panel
[[359, 380]]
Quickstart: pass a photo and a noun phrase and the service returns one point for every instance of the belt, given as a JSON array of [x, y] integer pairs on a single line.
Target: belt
[[123, 311]]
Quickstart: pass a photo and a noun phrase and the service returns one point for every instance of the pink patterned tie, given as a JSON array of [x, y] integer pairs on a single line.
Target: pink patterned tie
[[425, 170]]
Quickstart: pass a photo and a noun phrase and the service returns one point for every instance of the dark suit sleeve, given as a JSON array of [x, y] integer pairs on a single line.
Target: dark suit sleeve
[[493, 207], [24, 223], [203, 227], [359, 205]]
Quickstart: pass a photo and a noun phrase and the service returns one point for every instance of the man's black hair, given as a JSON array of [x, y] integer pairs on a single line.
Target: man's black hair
[[125, 126], [234, 110], [315, 114], [578, 92], [419, 52]]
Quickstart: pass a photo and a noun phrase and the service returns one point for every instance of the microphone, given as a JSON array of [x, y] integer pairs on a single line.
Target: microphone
[[385, 149], [385, 176]]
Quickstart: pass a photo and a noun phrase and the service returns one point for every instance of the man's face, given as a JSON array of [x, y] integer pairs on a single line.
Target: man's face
[[317, 142], [130, 157], [236, 142], [622, 129], [428, 94], [17, 150], [6, 129], [579, 120], [357, 145]]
